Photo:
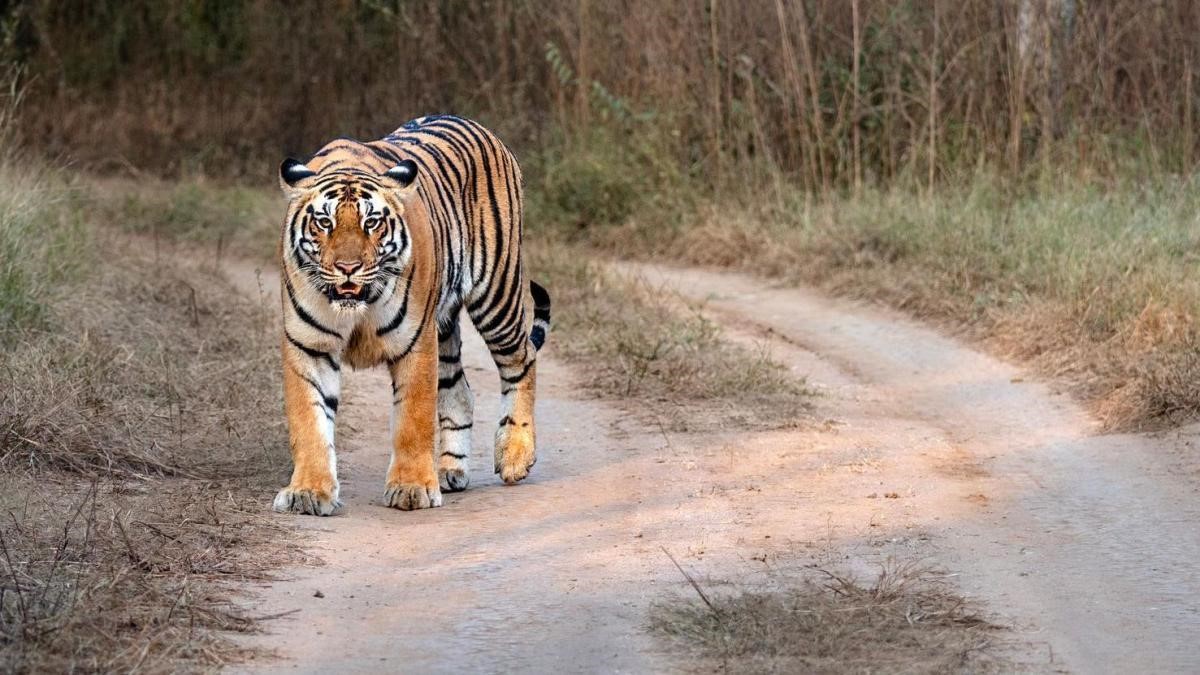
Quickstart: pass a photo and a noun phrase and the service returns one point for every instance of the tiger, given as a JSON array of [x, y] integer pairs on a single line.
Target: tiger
[[383, 245]]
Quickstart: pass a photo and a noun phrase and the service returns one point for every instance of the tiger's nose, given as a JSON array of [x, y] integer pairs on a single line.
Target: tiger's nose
[[347, 267]]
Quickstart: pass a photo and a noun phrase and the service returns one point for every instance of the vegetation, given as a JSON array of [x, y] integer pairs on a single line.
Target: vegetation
[[134, 446], [1021, 171], [227, 220], [908, 620], [644, 343], [40, 244], [829, 93], [1093, 284]]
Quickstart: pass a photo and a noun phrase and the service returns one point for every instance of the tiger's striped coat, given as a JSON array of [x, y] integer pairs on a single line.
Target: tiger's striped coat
[[383, 245]]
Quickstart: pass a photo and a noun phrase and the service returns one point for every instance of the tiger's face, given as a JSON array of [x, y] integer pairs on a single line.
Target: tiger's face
[[345, 230]]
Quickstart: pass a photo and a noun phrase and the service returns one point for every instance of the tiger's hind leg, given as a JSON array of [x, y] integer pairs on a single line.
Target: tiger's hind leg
[[515, 451], [456, 413], [514, 344]]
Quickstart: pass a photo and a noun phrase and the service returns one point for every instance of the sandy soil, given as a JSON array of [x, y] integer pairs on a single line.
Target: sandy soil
[[921, 449]]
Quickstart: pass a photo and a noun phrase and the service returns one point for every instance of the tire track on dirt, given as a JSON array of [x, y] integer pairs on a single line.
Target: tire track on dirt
[[1090, 542]]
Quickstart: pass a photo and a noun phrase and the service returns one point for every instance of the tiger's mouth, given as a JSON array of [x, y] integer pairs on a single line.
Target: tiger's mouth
[[346, 294]]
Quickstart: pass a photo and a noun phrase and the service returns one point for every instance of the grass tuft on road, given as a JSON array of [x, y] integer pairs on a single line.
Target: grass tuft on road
[[908, 620]]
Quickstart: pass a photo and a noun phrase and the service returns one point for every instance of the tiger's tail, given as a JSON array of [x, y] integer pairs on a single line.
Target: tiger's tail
[[541, 315]]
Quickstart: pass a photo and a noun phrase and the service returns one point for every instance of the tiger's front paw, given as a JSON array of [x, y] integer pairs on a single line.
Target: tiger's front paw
[[515, 454], [307, 501], [411, 496]]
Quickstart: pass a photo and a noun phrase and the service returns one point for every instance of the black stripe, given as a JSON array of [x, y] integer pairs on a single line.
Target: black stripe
[[448, 382], [502, 349], [503, 308], [384, 154], [512, 328], [330, 402], [417, 335], [313, 353], [403, 311], [455, 455], [304, 315], [521, 376]]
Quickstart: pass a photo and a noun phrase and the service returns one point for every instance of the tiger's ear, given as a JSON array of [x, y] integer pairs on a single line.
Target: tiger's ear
[[403, 173], [292, 173]]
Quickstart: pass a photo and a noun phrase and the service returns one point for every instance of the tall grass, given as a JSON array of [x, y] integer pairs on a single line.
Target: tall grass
[[828, 93], [41, 242]]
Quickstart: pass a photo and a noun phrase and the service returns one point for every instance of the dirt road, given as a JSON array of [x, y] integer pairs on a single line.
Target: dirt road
[[922, 448]]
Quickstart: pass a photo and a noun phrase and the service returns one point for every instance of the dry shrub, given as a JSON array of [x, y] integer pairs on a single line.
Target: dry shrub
[[108, 577], [157, 369], [909, 620], [138, 447], [1145, 376], [643, 342]]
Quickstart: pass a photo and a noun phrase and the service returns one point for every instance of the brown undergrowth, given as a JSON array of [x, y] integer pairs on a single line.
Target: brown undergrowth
[[140, 428]]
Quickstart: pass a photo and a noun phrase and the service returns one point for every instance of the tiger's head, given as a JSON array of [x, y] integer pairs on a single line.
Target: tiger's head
[[345, 229]]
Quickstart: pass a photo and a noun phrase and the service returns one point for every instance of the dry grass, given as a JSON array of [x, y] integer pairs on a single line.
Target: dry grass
[[134, 451], [224, 218], [1092, 284], [142, 372], [908, 620], [642, 342], [127, 577]]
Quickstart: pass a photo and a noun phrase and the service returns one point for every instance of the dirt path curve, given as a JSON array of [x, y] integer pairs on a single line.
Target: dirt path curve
[[1091, 541], [925, 449]]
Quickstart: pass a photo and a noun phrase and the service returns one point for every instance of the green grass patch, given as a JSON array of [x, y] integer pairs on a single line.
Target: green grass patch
[[42, 244]]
